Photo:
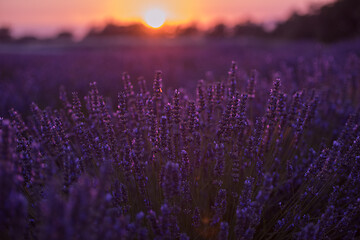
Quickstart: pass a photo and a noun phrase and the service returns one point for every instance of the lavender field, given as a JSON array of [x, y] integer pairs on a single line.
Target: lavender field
[[216, 139]]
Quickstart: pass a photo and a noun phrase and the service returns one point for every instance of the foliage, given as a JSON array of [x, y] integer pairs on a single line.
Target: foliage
[[332, 22]]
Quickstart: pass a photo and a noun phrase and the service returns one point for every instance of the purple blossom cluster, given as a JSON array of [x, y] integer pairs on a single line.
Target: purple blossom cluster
[[230, 164]]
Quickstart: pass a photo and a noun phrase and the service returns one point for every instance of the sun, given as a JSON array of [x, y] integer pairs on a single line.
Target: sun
[[155, 17]]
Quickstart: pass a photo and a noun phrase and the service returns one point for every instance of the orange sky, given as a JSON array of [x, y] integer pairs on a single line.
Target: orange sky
[[46, 17]]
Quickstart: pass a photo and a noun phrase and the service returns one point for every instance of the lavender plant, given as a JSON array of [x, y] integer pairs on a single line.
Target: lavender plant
[[166, 166]]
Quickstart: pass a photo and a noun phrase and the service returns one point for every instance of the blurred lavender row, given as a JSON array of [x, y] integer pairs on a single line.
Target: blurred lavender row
[[27, 72]]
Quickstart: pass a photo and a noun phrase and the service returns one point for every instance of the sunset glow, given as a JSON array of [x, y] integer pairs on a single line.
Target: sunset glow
[[47, 17], [155, 17]]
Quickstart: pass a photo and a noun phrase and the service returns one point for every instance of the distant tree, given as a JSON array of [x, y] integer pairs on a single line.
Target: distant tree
[[65, 35], [191, 30], [331, 22], [92, 32], [5, 34], [219, 30], [27, 39], [249, 29], [112, 29], [339, 20], [297, 27]]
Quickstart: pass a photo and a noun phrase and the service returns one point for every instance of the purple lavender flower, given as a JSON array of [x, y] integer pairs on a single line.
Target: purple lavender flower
[[157, 85], [220, 161], [171, 181], [224, 231], [251, 84], [196, 218], [219, 206]]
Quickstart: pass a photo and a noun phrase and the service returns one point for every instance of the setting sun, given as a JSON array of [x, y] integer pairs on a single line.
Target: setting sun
[[155, 17]]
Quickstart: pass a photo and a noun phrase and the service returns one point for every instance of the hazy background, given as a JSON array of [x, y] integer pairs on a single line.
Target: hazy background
[[47, 17]]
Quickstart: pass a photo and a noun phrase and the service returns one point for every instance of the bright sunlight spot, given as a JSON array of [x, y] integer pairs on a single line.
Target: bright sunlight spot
[[155, 17]]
